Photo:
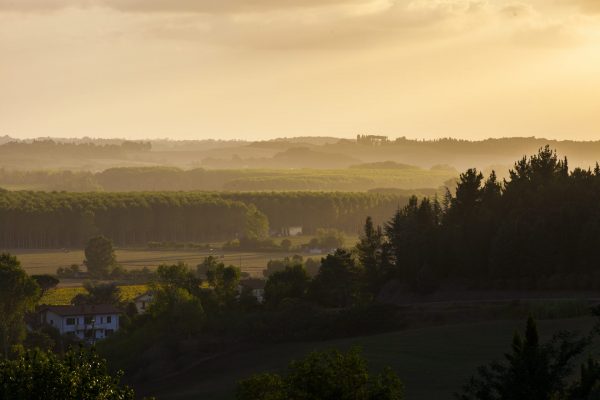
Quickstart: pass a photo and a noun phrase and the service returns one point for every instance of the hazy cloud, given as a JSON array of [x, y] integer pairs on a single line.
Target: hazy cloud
[[177, 6], [592, 6], [323, 24], [385, 22], [39, 5], [466, 68], [220, 6]]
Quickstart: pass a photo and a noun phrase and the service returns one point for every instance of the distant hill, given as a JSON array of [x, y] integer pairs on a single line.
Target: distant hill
[[300, 157], [384, 165], [89, 154]]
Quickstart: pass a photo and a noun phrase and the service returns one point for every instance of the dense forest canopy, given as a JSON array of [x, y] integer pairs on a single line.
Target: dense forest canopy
[[60, 219]]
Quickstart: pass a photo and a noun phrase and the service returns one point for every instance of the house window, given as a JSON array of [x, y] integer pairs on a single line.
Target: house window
[[70, 321], [89, 320], [51, 322], [143, 305], [108, 332], [101, 320], [109, 320]]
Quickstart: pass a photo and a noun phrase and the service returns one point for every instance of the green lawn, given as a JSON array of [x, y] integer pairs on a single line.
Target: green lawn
[[433, 362]]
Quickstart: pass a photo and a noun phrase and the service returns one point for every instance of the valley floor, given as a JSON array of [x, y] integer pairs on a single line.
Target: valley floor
[[433, 362]]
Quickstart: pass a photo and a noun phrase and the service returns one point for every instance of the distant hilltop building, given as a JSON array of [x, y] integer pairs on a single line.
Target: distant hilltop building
[[143, 301], [291, 231], [371, 139]]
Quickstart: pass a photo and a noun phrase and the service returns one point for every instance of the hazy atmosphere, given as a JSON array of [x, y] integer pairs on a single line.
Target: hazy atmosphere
[[263, 68], [300, 199]]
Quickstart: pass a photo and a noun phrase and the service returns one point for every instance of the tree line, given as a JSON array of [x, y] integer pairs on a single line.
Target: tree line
[[58, 219], [230, 178], [81, 149], [539, 229]]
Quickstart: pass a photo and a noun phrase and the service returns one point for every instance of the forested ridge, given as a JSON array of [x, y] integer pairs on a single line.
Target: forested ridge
[[60, 219], [171, 178]]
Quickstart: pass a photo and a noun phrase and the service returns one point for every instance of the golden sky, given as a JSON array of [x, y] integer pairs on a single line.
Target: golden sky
[[255, 69]]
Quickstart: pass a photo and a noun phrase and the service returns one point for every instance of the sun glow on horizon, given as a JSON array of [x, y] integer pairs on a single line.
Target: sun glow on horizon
[[461, 68]]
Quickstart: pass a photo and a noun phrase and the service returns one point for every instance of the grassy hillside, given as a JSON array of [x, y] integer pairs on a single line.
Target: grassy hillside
[[433, 362]]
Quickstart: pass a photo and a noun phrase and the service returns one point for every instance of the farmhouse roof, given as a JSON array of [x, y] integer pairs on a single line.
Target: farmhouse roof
[[149, 293], [67, 311]]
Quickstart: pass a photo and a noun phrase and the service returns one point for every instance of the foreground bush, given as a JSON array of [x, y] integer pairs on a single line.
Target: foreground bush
[[327, 375], [538, 371], [79, 375]]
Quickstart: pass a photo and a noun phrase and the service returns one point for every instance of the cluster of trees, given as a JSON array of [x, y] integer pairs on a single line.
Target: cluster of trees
[[311, 265], [19, 295], [537, 230], [338, 281], [59, 219], [187, 305]]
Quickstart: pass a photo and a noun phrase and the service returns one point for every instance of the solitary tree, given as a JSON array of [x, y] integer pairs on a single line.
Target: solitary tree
[[292, 282], [224, 280], [99, 293], [371, 254], [99, 256], [532, 370], [18, 295], [45, 282]]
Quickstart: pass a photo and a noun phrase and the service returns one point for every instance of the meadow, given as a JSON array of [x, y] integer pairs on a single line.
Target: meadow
[[433, 362], [46, 261]]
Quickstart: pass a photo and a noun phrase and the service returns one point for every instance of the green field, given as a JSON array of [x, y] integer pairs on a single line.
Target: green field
[[432, 362], [47, 261]]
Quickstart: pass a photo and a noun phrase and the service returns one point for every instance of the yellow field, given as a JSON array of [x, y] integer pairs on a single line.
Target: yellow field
[[45, 261], [64, 295]]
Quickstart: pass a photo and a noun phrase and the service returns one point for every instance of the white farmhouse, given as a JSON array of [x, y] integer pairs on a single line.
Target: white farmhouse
[[89, 323], [255, 286], [291, 231], [143, 301]]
